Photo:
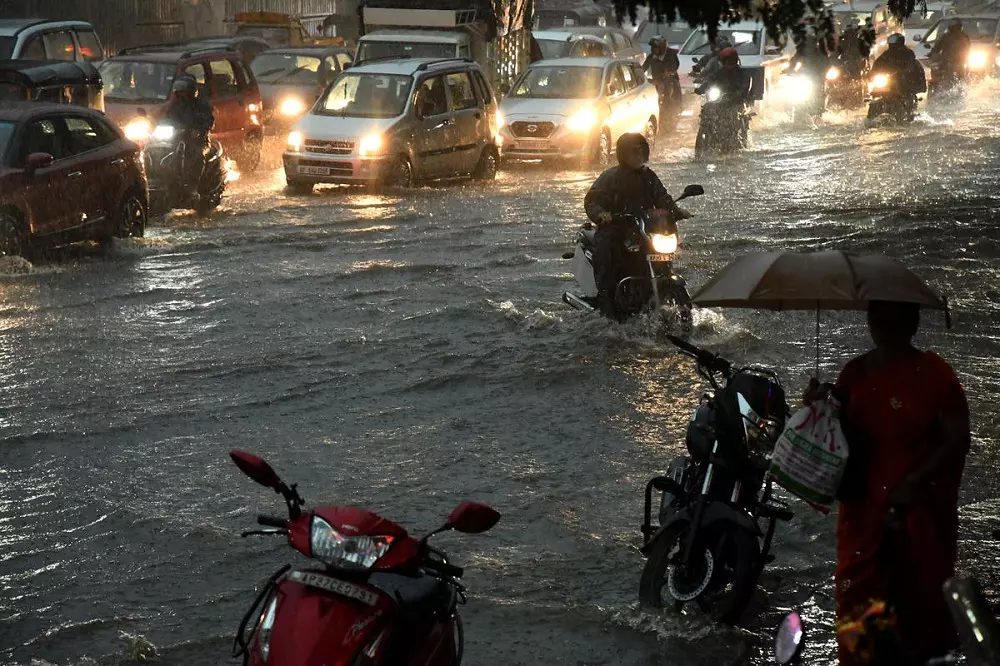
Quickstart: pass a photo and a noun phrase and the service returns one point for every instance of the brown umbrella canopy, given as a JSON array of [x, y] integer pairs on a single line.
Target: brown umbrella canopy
[[815, 280]]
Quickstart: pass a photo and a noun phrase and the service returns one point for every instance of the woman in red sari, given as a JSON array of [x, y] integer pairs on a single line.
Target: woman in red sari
[[907, 422]]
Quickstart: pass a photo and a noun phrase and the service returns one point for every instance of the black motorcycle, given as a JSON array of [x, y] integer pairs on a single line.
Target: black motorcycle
[[647, 278], [709, 547], [888, 103], [167, 167], [724, 126]]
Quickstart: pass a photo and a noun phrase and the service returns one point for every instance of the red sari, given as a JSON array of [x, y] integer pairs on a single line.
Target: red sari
[[896, 411]]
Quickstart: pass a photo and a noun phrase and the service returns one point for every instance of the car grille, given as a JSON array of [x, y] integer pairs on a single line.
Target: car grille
[[336, 168], [329, 147], [532, 130]]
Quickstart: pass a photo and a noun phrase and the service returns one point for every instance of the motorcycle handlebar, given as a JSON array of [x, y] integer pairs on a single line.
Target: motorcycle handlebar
[[445, 568], [272, 521], [711, 361]]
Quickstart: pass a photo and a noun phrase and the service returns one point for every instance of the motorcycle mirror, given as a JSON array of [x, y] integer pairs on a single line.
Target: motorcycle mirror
[[256, 468], [790, 639], [473, 518], [693, 191]]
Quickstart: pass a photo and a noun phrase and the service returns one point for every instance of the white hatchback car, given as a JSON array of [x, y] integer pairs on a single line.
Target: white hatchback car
[[576, 108]]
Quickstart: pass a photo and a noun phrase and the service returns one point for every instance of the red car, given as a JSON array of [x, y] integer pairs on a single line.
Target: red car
[[67, 174]]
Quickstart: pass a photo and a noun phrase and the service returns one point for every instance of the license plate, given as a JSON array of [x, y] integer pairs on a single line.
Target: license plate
[[659, 257], [340, 587], [532, 144], [314, 170]]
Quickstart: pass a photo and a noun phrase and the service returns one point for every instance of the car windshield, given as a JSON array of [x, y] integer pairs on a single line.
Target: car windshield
[[559, 83], [360, 95], [918, 20], [674, 33], [286, 68], [7, 47], [551, 48], [978, 30], [746, 42], [12, 92], [373, 50], [6, 132], [131, 81], [271, 35]]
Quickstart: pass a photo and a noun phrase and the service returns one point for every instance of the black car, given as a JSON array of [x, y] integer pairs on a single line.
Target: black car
[[292, 78]]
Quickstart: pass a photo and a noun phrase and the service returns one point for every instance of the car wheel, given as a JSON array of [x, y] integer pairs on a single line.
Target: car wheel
[[400, 174], [12, 237], [298, 187], [249, 158], [489, 164], [131, 219]]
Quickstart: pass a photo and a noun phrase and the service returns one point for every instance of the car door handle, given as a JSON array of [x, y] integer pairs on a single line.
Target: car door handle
[[75, 174], [118, 162], [444, 123]]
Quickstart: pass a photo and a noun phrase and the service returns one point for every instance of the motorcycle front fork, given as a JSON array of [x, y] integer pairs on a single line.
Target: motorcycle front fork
[[691, 543]]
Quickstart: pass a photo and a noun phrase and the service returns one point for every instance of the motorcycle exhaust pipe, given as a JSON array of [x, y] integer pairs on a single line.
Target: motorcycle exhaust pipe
[[576, 302]]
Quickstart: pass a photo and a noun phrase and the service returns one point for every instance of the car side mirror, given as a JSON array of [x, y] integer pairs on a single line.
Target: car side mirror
[[39, 161], [256, 468], [473, 518], [790, 640]]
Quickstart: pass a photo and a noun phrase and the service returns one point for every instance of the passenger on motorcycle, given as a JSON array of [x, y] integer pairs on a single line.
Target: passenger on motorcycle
[[708, 66], [951, 53], [903, 68], [191, 113], [630, 188], [852, 51], [661, 66], [731, 80]]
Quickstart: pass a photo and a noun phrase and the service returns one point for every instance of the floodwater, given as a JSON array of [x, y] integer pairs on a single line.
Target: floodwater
[[405, 352]]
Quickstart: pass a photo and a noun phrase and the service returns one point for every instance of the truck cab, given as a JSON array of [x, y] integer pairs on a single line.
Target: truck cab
[[388, 44]]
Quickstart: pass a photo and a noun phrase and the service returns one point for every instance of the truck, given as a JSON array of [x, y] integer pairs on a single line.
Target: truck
[[282, 30], [500, 43]]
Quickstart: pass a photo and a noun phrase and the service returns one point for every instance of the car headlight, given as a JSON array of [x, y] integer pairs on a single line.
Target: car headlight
[[138, 129], [356, 553], [798, 88], [501, 121], [581, 121], [371, 145], [833, 74], [266, 627], [978, 59], [163, 132], [664, 243], [295, 141], [292, 106], [714, 94], [879, 82]]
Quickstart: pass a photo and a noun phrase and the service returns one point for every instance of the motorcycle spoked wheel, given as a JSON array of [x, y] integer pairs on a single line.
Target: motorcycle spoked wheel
[[720, 581]]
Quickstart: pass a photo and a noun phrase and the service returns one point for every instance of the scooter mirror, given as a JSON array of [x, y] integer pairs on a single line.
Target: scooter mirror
[[790, 639], [472, 518], [256, 468], [693, 191]]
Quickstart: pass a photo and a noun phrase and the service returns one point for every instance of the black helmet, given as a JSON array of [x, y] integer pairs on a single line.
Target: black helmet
[[632, 144], [897, 39], [184, 84], [956, 26]]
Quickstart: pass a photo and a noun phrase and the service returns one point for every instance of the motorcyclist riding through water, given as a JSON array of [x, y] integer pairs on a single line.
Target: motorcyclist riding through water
[[191, 113], [853, 51], [710, 65], [905, 72], [630, 188], [661, 66], [950, 54]]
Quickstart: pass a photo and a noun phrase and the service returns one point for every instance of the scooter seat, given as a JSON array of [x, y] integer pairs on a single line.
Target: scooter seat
[[418, 596]]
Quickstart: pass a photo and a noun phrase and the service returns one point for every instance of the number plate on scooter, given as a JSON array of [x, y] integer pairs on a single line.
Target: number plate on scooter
[[659, 257], [340, 587]]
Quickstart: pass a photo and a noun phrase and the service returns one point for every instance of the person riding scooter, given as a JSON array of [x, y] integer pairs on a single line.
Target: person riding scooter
[[630, 188], [191, 113], [904, 71], [811, 61], [661, 65], [950, 54]]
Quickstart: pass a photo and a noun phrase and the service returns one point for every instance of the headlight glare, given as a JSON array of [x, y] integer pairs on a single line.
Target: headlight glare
[[879, 82], [292, 106], [138, 129], [501, 121], [798, 87], [356, 553], [581, 121], [163, 132], [978, 59], [833, 74], [664, 243], [714, 94], [295, 141], [370, 145]]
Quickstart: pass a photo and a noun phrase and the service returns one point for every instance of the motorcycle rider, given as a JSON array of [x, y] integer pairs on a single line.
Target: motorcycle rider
[[811, 61], [852, 52], [868, 36], [903, 68], [629, 188], [191, 113], [708, 66], [661, 65], [951, 53], [730, 78]]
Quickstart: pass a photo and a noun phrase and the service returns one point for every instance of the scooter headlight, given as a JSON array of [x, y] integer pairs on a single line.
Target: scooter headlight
[[163, 132], [265, 628], [664, 243], [833, 74], [978, 59], [334, 549], [138, 129], [879, 82], [714, 94]]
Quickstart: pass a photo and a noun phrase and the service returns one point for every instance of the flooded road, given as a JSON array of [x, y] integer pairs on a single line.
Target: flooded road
[[405, 352]]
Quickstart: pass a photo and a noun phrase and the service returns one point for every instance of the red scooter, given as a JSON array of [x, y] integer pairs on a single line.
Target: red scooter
[[380, 598]]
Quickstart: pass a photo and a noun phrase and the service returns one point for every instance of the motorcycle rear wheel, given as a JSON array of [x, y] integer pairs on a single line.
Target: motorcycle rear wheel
[[730, 563]]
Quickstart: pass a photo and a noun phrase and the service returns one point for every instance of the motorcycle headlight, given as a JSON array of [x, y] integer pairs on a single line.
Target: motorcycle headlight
[[266, 627], [664, 243], [138, 129], [714, 94], [798, 88], [879, 82], [163, 132], [292, 106], [582, 121], [833, 74], [978, 59], [357, 553], [295, 141]]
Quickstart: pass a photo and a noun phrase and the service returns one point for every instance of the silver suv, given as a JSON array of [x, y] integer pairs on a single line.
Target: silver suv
[[396, 122]]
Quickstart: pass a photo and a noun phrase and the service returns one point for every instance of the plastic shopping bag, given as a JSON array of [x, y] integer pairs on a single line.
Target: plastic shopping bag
[[810, 456]]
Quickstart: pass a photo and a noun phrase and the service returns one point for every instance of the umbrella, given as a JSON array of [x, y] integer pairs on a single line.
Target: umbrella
[[816, 280]]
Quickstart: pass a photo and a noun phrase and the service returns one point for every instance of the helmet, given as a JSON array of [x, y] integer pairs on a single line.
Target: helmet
[[184, 85], [729, 56], [632, 149], [896, 39]]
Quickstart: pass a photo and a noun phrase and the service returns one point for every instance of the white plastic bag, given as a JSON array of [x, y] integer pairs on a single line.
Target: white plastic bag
[[810, 456]]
